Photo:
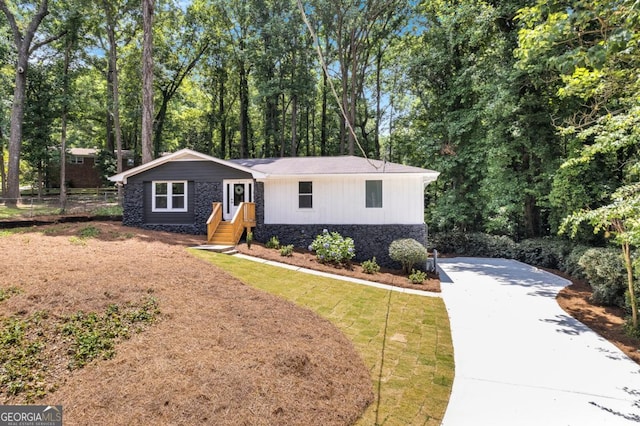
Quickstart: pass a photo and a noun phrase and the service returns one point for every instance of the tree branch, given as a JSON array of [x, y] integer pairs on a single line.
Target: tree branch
[[38, 45]]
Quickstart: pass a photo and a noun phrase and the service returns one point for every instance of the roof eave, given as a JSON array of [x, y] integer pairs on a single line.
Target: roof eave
[[182, 155]]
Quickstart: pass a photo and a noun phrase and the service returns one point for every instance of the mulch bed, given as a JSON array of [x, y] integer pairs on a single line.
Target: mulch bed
[[306, 259], [221, 352]]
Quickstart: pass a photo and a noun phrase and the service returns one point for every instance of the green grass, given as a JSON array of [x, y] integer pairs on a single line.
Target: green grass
[[26, 211], [404, 340]]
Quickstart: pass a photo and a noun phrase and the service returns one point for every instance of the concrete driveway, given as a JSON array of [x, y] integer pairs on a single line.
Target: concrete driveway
[[521, 360]]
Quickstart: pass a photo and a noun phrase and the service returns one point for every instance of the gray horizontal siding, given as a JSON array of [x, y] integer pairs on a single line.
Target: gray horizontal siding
[[176, 218], [198, 171]]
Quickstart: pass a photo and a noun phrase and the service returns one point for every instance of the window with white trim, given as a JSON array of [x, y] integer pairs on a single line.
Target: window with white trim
[[305, 195], [373, 190], [169, 196]]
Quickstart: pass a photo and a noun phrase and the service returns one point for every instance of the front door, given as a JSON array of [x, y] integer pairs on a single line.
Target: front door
[[234, 193]]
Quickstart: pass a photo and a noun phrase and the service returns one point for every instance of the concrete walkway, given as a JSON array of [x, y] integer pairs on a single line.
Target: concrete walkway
[[521, 360]]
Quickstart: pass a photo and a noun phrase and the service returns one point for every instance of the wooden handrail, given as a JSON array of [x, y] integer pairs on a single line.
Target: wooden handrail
[[245, 217], [214, 220]]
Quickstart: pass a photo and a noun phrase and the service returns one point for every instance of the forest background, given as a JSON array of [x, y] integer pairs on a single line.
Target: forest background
[[530, 112]]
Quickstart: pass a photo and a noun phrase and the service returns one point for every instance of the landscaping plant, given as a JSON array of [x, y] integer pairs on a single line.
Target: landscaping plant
[[417, 277], [331, 247], [371, 266], [408, 252], [273, 243], [287, 250]]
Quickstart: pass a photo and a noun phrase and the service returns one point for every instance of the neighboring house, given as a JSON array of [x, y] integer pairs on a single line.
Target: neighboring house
[[81, 170], [293, 198]]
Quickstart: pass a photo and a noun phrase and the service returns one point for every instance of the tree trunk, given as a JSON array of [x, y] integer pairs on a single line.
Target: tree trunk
[[113, 59], [160, 117], [244, 106], [22, 43], [628, 262], [323, 113], [3, 174], [147, 81], [111, 144], [376, 136], [15, 137], [63, 130], [294, 126], [223, 115]]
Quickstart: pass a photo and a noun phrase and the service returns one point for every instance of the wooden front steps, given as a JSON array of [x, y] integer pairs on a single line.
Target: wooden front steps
[[224, 235]]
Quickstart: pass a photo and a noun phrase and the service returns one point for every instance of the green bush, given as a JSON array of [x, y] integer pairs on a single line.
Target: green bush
[[331, 247], [570, 264], [273, 243], [408, 252], [371, 266], [417, 277], [547, 252], [473, 244], [605, 272], [287, 250]]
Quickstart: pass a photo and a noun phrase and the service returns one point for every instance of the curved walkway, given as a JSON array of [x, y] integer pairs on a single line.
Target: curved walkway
[[521, 360]]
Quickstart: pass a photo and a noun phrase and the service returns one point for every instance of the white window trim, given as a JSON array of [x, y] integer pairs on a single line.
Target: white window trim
[[169, 196]]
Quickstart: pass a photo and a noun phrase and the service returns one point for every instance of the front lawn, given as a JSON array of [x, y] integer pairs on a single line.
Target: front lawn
[[404, 340]]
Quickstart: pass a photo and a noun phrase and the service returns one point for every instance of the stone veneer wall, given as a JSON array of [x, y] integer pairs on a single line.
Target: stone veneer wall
[[205, 194], [369, 240]]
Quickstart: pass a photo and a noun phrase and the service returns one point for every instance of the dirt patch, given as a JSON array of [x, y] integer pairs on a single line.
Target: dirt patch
[[220, 353], [306, 259], [607, 321]]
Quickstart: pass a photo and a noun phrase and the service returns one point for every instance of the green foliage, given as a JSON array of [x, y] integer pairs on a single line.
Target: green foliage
[[107, 211], [94, 336], [417, 276], [604, 270], [473, 244], [89, 232], [249, 239], [6, 293], [287, 250], [107, 165], [571, 263], [273, 243], [408, 252], [21, 356], [548, 252], [331, 247], [370, 266]]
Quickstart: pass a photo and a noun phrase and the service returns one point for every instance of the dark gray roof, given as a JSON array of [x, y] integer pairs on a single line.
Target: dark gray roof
[[325, 165]]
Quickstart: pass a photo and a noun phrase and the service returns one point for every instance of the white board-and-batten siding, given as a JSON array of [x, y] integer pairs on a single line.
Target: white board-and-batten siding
[[342, 200]]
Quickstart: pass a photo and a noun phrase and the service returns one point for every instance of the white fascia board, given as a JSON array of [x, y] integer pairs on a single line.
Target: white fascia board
[[182, 155]]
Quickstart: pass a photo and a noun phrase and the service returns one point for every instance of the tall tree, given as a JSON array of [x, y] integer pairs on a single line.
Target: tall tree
[[147, 80], [179, 55], [23, 39], [69, 45]]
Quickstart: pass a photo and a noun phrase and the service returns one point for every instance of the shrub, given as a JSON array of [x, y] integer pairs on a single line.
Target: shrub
[[547, 252], [331, 247], [473, 244], [286, 251], [570, 264], [273, 243], [605, 271], [371, 266], [417, 277], [408, 252], [249, 239]]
